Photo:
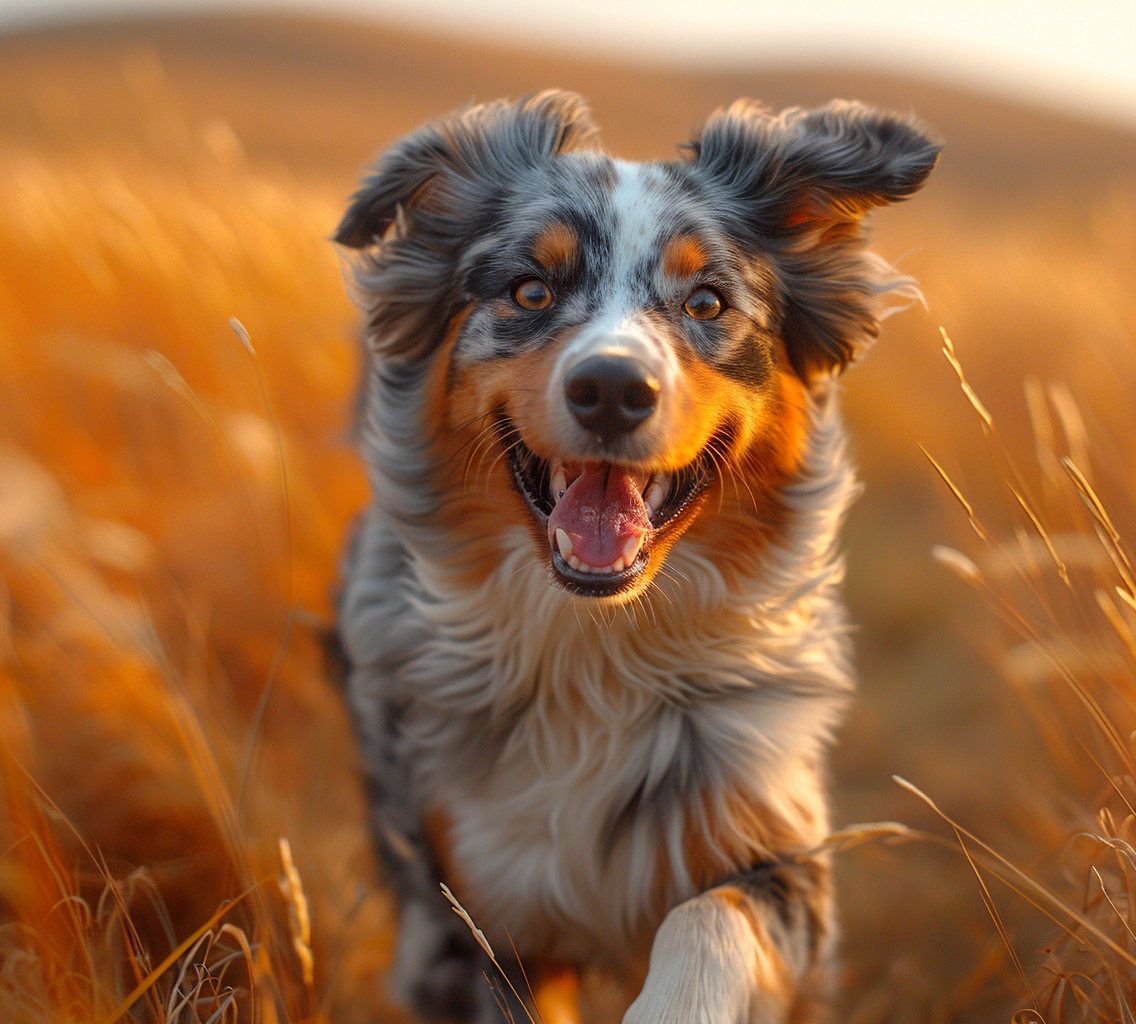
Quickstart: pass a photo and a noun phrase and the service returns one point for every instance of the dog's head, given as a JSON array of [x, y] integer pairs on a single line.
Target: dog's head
[[633, 339]]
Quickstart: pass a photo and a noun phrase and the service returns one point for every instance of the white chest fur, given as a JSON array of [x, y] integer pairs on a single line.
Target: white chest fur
[[573, 750], [571, 756]]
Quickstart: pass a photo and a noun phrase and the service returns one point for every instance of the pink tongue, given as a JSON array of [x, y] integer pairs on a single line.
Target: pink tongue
[[600, 511]]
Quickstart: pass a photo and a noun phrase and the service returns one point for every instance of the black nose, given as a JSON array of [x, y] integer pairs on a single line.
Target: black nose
[[611, 395]]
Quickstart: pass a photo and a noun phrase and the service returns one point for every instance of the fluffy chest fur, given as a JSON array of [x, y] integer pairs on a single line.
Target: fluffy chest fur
[[588, 768]]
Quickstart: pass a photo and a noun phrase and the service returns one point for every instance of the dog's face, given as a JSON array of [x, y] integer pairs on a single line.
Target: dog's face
[[636, 341], [621, 342]]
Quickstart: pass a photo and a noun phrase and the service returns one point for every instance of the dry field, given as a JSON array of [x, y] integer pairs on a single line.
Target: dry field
[[172, 504]]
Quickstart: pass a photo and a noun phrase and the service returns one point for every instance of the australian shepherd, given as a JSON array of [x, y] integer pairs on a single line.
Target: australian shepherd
[[592, 614]]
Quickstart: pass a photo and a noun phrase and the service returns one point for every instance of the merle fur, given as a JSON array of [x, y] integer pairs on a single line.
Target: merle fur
[[440, 224]]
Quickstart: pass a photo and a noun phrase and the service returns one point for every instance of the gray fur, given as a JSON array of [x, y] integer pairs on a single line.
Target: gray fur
[[571, 747]]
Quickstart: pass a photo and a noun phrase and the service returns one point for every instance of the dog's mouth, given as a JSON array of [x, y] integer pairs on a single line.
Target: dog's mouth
[[602, 519]]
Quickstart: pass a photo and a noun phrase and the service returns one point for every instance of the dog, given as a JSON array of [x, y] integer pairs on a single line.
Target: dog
[[592, 618]]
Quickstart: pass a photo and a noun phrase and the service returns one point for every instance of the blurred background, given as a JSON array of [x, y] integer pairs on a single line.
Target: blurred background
[[173, 500]]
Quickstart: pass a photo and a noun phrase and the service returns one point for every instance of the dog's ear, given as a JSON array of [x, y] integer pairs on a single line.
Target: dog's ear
[[798, 186], [443, 163], [428, 198]]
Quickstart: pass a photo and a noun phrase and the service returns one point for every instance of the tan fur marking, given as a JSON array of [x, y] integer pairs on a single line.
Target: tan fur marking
[[474, 478], [557, 995], [475, 473], [747, 510], [683, 256], [556, 246], [437, 400]]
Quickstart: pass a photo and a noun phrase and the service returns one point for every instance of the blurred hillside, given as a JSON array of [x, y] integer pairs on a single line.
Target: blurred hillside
[[158, 177]]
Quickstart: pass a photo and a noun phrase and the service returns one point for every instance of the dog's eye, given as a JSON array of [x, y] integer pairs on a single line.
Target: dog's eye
[[704, 304], [532, 293]]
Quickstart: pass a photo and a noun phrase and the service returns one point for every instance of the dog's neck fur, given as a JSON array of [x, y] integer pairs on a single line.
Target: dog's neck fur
[[514, 692]]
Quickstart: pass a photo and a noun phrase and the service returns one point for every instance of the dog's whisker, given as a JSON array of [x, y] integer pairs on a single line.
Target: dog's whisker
[[725, 471], [736, 474], [492, 466], [514, 573], [662, 593], [493, 425], [636, 609], [488, 428], [752, 497], [470, 459], [484, 449], [481, 444], [718, 471], [647, 601], [673, 574]]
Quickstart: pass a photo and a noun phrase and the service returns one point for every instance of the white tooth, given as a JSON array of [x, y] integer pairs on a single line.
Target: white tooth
[[616, 566], [558, 483], [575, 562], [564, 542], [658, 491], [630, 550]]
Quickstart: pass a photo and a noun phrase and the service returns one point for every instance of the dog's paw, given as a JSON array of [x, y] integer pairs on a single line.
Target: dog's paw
[[708, 967], [436, 972]]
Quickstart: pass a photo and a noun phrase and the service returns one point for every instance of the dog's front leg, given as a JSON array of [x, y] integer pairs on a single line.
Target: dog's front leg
[[738, 953]]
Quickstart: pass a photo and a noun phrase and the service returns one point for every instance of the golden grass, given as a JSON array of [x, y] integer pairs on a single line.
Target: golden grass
[[173, 503], [1074, 667], [171, 511]]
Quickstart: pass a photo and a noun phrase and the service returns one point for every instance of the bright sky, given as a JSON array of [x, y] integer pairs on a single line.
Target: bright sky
[[1075, 55]]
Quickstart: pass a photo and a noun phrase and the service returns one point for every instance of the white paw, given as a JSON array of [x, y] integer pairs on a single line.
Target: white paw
[[708, 967]]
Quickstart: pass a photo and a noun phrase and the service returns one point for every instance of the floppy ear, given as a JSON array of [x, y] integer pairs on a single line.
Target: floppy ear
[[799, 185], [416, 213], [474, 144]]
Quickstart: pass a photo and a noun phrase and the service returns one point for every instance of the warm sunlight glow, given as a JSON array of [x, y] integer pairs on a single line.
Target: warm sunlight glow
[[1080, 58]]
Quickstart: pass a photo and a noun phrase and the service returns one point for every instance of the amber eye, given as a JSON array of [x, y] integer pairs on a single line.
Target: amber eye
[[704, 304], [532, 293]]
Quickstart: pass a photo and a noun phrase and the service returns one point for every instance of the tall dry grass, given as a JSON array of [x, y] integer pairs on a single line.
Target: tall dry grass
[[172, 505], [1063, 588]]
